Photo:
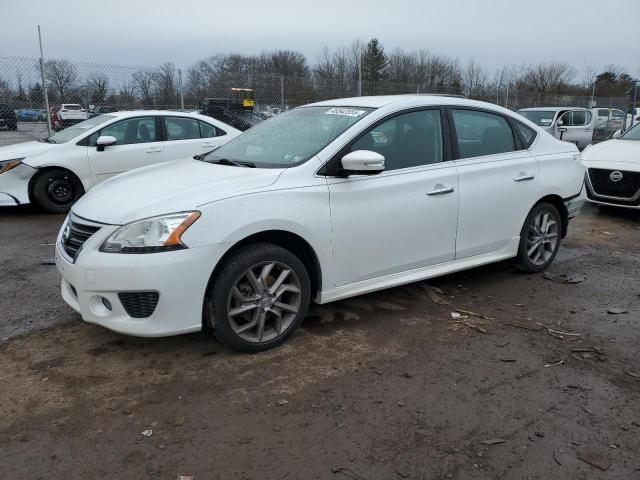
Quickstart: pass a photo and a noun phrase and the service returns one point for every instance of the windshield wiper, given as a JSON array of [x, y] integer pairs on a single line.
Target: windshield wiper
[[47, 139], [235, 163]]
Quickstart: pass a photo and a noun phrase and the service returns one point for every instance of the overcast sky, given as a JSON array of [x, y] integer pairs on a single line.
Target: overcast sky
[[494, 32]]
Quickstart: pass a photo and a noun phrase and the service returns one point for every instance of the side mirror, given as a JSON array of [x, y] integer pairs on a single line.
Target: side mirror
[[363, 162], [105, 141], [617, 134]]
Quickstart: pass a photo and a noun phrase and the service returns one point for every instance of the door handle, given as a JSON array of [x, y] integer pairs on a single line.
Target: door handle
[[440, 190], [523, 177], [154, 149]]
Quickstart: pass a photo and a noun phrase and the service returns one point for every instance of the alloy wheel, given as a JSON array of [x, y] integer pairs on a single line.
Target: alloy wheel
[[264, 301], [542, 237]]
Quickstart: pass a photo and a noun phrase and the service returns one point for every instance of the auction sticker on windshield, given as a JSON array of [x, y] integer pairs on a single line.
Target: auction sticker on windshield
[[347, 112]]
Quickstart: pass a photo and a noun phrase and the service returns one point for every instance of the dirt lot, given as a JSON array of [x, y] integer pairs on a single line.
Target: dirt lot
[[384, 386]]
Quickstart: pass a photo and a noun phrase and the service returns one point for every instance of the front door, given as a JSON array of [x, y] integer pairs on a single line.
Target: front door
[[403, 218], [138, 145], [575, 126]]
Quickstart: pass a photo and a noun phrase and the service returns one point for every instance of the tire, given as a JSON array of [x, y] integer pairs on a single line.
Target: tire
[[542, 228], [13, 126], [56, 190], [252, 306]]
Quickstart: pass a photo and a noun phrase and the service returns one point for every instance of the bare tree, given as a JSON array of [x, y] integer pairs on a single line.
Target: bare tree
[[143, 82], [98, 85], [550, 77], [164, 83], [474, 79], [62, 74]]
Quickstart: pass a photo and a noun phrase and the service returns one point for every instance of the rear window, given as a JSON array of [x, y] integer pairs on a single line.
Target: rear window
[[527, 134], [72, 107]]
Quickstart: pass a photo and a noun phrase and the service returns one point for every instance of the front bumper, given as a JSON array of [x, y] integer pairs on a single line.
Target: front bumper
[[14, 185], [180, 277]]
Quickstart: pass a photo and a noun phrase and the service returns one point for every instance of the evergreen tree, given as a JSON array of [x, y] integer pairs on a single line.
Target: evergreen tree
[[375, 62]]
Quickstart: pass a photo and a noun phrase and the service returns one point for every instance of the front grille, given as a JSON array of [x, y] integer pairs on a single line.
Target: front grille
[[76, 233], [139, 304], [626, 188]]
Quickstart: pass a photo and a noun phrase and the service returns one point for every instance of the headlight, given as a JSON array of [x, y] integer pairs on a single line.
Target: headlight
[[6, 165], [157, 234]]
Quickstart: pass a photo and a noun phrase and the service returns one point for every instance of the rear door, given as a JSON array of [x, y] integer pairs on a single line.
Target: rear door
[[138, 145], [498, 179], [186, 137]]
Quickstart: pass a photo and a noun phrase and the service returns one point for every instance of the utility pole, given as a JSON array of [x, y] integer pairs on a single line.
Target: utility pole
[[181, 92], [44, 85], [360, 71]]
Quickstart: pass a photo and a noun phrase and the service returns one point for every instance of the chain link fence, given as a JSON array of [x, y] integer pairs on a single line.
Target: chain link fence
[[124, 87]]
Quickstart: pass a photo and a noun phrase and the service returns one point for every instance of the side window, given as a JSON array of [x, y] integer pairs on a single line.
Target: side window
[[406, 140], [127, 132], [481, 133], [576, 118], [181, 128], [207, 130], [527, 134]]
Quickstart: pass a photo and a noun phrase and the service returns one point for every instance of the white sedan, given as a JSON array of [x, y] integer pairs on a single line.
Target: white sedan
[[614, 170], [56, 171], [323, 202]]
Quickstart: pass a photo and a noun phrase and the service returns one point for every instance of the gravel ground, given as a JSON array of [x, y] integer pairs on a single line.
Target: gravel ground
[[26, 132], [382, 386]]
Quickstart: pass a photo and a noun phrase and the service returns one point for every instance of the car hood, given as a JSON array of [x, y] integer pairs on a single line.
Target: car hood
[[169, 187], [613, 154], [25, 150]]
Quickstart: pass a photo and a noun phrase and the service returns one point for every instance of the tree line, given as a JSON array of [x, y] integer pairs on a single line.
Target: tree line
[[288, 76]]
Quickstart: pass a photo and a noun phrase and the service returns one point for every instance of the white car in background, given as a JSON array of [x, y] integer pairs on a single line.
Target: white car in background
[[613, 170], [56, 171], [322, 202]]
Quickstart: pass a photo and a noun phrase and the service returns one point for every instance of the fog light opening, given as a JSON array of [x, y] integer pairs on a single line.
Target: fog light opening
[[107, 304]]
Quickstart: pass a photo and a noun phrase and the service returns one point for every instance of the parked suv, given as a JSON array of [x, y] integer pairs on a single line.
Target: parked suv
[[8, 117], [320, 203], [69, 114]]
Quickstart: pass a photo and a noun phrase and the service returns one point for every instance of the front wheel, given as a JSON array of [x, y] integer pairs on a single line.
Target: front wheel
[[258, 298], [56, 190], [539, 238]]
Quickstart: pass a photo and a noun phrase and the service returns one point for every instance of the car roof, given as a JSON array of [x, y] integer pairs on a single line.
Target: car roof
[[137, 113], [547, 109], [380, 101], [409, 101]]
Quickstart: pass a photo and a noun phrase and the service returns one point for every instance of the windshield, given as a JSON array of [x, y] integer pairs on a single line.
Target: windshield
[[542, 118], [290, 138], [632, 134], [78, 129]]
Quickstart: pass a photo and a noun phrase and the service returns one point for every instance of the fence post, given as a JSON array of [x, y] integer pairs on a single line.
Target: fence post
[[44, 85], [180, 87], [282, 93]]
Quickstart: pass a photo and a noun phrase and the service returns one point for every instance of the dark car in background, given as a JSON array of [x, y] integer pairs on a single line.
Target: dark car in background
[[8, 117]]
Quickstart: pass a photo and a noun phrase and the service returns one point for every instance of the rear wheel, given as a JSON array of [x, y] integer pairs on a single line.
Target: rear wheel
[[258, 298], [539, 238], [13, 126], [56, 190]]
